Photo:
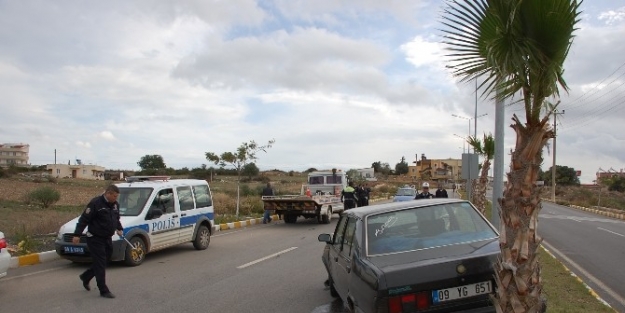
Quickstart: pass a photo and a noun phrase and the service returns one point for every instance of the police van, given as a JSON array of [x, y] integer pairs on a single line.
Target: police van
[[156, 212]]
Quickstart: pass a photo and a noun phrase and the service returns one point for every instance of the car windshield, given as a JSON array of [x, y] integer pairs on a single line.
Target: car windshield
[[425, 227], [406, 192], [132, 200]]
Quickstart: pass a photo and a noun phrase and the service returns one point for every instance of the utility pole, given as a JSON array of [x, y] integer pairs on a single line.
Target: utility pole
[[498, 166], [553, 167]]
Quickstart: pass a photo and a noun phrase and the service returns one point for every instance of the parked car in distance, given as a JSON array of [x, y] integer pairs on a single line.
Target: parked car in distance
[[406, 193], [5, 256], [433, 255]]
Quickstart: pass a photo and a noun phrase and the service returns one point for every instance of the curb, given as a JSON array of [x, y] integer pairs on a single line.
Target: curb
[[590, 290], [613, 213], [33, 258]]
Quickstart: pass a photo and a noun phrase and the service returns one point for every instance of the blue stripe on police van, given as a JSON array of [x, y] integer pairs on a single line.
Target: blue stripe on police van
[[144, 227], [191, 220]]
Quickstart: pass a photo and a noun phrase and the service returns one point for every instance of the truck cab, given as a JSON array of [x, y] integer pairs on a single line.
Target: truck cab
[[325, 183]]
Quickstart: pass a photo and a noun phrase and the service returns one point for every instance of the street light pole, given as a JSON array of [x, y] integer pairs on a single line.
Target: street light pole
[[469, 119], [463, 141]]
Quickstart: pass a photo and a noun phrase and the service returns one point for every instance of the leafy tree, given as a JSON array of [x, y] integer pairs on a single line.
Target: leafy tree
[[377, 166], [355, 177], [310, 170], [486, 149], [151, 162], [250, 170], [245, 153], [518, 47], [401, 167], [617, 183], [565, 176]]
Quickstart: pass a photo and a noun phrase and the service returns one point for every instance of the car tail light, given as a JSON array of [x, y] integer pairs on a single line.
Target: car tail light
[[3, 243], [409, 302]]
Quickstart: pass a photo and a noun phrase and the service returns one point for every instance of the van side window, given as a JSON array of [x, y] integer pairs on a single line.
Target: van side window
[[164, 200], [202, 196], [185, 198]]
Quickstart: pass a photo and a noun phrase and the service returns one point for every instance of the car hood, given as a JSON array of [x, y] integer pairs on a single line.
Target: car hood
[[435, 264]]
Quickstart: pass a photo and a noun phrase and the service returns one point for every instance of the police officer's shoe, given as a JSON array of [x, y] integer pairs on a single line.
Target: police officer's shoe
[[107, 295], [85, 283]]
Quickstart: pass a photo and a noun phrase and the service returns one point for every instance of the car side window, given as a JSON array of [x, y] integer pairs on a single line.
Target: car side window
[[185, 198], [164, 201], [202, 196], [348, 238], [339, 232]]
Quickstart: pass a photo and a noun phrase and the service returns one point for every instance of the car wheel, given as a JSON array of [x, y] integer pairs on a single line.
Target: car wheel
[[135, 256], [202, 239]]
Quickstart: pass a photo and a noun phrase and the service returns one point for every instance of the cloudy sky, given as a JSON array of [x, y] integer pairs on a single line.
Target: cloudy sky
[[335, 83]]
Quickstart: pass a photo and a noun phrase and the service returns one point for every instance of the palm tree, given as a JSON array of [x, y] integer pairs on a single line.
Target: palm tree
[[518, 48], [486, 149]]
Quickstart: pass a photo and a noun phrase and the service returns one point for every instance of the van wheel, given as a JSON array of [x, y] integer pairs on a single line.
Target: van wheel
[[202, 239], [136, 254]]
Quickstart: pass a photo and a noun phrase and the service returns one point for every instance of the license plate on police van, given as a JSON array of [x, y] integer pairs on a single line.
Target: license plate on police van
[[74, 250], [461, 292]]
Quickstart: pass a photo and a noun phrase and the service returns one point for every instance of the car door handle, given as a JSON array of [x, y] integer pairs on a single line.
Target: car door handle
[[183, 214], [174, 216]]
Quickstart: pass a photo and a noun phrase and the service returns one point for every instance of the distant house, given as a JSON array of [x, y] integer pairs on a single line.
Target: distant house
[[81, 171], [367, 173], [14, 154]]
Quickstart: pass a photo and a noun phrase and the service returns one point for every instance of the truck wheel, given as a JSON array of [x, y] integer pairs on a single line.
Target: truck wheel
[[135, 256], [202, 238], [327, 218]]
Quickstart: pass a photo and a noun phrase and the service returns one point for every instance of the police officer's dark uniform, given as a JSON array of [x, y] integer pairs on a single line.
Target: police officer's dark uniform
[[348, 197], [102, 218]]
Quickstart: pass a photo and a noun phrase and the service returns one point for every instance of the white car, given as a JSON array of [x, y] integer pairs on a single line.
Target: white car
[[5, 257]]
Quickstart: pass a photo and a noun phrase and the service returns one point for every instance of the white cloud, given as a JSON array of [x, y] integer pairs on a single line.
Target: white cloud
[[336, 83]]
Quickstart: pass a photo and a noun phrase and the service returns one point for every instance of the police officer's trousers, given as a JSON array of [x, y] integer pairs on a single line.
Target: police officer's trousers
[[101, 250]]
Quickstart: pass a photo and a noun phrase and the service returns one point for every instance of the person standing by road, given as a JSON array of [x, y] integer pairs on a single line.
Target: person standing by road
[[441, 192], [348, 196], [102, 218], [267, 191], [425, 194]]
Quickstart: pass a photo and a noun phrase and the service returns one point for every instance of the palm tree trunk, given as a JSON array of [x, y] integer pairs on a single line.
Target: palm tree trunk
[[479, 191], [518, 268]]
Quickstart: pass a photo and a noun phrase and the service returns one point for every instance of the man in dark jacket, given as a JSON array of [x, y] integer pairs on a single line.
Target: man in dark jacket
[[267, 191], [348, 196], [102, 218], [441, 192]]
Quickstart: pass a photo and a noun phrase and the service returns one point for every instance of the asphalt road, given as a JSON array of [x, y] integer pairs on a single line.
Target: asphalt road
[[265, 268], [592, 246]]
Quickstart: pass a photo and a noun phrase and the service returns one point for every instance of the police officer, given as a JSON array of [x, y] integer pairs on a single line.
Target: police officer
[[348, 196], [102, 218], [425, 194], [267, 191]]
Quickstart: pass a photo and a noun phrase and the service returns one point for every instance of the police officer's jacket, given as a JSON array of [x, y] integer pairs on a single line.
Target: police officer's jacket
[[349, 193], [424, 195], [102, 218]]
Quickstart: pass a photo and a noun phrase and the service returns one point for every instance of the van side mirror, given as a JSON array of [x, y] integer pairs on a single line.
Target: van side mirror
[[156, 213], [325, 238]]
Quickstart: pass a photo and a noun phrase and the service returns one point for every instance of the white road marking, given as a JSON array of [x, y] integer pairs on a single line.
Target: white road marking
[[579, 269], [266, 258], [579, 219], [609, 231], [30, 274]]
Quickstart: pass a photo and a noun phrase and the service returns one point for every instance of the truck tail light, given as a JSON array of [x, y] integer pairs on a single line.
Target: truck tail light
[[409, 302], [3, 243]]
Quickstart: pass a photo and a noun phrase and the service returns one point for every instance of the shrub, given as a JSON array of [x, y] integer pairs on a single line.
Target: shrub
[[46, 196]]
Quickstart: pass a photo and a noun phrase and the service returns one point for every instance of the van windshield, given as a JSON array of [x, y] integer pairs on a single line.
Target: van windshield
[[132, 200]]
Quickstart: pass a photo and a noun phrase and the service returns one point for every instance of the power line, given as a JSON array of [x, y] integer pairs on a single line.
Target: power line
[[597, 85]]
